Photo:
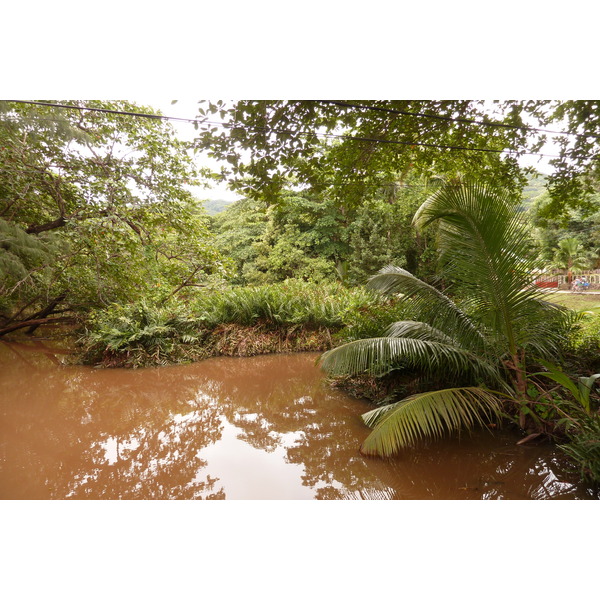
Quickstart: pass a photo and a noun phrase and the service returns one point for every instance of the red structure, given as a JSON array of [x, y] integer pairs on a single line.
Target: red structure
[[547, 283]]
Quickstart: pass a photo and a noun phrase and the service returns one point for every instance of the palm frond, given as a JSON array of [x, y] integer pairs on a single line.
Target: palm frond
[[482, 236], [377, 356], [428, 415], [430, 304], [485, 246], [418, 330]]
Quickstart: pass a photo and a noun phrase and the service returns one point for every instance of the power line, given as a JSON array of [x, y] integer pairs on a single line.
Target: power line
[[446, 118], [101, 110], [267, 130]]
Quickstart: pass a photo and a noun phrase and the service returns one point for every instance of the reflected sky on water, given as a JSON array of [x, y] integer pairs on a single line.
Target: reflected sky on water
[[265, 427]]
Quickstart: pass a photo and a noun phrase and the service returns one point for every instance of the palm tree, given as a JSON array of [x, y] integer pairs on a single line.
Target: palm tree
[[572, 256], [503, 318]]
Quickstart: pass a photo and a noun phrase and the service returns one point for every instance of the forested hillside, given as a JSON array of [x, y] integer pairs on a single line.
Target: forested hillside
[[213, 207]]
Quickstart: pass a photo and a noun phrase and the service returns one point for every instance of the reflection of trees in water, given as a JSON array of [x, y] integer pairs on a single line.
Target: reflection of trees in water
[[155, 462], [136, 434], [83, 433], [101, 434], [270, 397], [483, 467], [267, 399]]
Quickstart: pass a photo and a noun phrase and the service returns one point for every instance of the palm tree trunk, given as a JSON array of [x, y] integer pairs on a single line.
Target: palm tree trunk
[[520, 383]]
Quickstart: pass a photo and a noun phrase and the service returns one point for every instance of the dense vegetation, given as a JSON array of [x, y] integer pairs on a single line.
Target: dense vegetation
[[307, 236], [95, 209], [237, 321], [400, 237]]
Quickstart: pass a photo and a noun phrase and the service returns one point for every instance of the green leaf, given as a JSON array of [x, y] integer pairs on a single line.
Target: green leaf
[[428, 415], [559, 377]]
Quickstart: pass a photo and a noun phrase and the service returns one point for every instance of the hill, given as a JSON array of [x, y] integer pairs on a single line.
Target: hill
[[214, 207], [536, 186]]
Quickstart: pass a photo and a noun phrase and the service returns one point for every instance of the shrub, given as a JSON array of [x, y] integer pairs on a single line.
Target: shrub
[[290, 303], [584, 449], [138, 334], [584, 343], [276, 317], [371, 318]]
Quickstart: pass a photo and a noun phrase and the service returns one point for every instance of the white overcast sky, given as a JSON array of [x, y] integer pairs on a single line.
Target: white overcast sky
[[188, 109]]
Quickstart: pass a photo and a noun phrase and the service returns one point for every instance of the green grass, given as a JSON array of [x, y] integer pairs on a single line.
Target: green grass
[[575, 301]]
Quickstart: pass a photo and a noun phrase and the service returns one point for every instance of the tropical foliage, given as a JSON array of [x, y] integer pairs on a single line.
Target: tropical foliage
[[306, 236], [94, 209], [346, 146], [584, 448], [98, 220], [486, 337], [144, 333], [571, 256]]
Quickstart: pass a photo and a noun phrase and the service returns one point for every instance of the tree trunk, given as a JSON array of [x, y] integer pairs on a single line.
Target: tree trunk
[[521, 387], [35, 323], [45, 312]]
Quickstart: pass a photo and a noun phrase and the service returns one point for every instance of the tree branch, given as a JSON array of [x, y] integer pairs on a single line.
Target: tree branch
[[35, 323]]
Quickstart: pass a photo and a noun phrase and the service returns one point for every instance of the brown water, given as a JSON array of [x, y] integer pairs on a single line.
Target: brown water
[[237, 428]]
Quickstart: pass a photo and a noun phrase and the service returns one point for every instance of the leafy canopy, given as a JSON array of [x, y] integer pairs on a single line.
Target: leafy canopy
[[95, 207], [347, 146]]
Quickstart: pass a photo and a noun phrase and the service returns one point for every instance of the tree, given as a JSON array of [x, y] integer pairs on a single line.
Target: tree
[[582, 224], [577, 174], [571, 256], [347, 146], [306, 235], [351, 144], [480, 346], [109, 192]]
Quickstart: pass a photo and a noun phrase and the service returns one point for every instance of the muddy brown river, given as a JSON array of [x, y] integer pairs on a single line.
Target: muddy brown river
[[265, 427]]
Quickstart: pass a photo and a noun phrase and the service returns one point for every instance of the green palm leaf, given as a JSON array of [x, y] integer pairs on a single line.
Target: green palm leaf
[[484, 244], [484, 248], [419, 331], [429, 303], [427, 415], [377, 356]]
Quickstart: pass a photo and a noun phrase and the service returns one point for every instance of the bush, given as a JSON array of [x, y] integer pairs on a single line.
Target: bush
[[584, 449], [584, 343], [270, 317], [290, 303], [139, 334], [371, 318]]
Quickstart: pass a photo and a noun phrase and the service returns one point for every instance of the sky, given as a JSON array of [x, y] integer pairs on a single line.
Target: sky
[[188, 109]]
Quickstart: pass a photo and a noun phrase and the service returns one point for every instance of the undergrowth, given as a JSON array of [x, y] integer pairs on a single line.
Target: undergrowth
[[288, 303], [242, 321], [583, 352]]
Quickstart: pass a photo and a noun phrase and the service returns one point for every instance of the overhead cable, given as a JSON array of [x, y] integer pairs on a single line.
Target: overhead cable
[[411, 143], [454, 119]]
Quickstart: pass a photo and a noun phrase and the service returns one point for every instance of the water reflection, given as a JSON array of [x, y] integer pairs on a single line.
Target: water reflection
[[261, 427]]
